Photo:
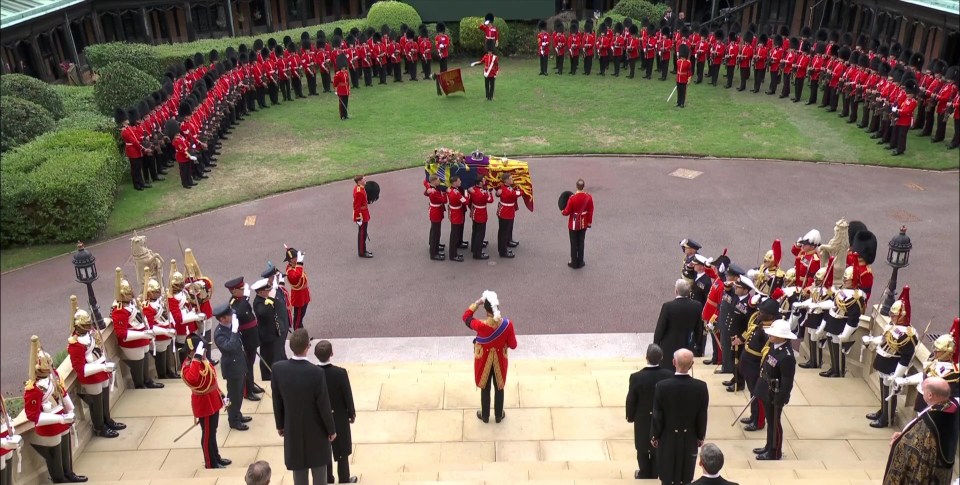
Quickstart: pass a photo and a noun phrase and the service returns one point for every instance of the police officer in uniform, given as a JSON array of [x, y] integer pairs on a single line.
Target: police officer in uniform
[[777, 369], [249, 334]]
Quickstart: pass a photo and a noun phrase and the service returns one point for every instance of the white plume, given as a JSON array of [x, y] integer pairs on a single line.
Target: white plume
[[491, 297]]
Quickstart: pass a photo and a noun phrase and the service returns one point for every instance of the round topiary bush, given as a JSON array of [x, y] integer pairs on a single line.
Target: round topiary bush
[[638, 9], [393, 14], [34, 90], [141, 56], [471, 37], [22, 121], [121, 84]]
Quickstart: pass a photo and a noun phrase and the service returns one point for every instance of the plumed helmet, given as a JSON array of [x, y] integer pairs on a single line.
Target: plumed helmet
[[812, 237], [748, 37], [80, 321], [634, 30], [824, 275], [488, 17], [373, 191], [564, 198], [865, 245], [945, 344], [122, 291], [258, 44], [684, 51], [558, 26], [40, 364], [119, 115], [171, 128], [175, 277], [575, 26], [441, 27], [773, 255], [916, 61], [900, 310], [790, 277], [822, 35]]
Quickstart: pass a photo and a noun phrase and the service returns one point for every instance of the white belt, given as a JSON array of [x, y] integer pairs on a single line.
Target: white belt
[[475, 206], [453, 208], [883, 353], [508, 205], [436, 205]]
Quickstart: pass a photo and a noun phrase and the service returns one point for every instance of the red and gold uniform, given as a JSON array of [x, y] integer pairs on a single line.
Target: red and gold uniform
[[205, 401], [94, 372], [134, 334], [807, 262], [579, 212], [299, 286], [495, 335]]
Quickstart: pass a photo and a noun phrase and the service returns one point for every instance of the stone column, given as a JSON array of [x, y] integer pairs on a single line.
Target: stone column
[[188, 18], [147, 31]]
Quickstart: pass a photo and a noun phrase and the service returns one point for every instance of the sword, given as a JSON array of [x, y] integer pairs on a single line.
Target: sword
[[735, 420], [195, 424], [671, 94]]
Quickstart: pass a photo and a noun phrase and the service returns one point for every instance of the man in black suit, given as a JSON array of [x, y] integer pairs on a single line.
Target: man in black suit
[[679, 324], [640, 408], [233, 363], [268, 327], [301, 408], [679, 422], [344, 412], [711, 461]]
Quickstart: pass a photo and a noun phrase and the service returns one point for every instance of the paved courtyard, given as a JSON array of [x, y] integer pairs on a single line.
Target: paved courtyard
[[632, 254]]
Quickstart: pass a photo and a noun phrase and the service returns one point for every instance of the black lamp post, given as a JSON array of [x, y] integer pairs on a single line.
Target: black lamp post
[[898, 256], [86, 266]]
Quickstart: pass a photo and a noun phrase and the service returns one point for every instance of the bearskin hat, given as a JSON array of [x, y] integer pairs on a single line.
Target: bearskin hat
[[784, 30], [558, 26], [805, 32], [748, 37], [423, 30], [822, 35], [905, 56], [794, 43], [865, 245], [847, 39], [588, 25], [844, 53], [953, 74], [442, 27], [704, 31], [287, 40], [910, 86], [119, 115], [762, 39], [821, 49], [258, 45], [863, 60], [916, 61], [171, 128], [198, 59], [861, 40], [684, 51], [835, 36], [488, 18], [575, 26], [884, 69]]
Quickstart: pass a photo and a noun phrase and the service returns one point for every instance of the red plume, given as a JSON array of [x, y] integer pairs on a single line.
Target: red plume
[[905, 298], [777, 293], [955, 331], [777, 252]]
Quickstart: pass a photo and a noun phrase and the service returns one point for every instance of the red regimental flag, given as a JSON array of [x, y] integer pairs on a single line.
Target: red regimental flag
[[451, 81]]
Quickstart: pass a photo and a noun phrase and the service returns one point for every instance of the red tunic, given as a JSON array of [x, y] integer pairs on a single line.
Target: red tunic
[[479, 199], [746, 54], [131, 142], [78, 357], [507, 208], [806, 265], [579, 210], [122, 324], [543, 44], [491, 65], [33, 399], [151, 314], [201, 377], [490, 355], [360, 211], [712, 306], [458, 209], [443, 45], [683, 71], [341, 81], [589, 44], [299, 287], [437, 203], [905, 111], [560, 44]]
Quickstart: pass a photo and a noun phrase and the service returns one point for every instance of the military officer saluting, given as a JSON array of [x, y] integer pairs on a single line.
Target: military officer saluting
[[895, 349], [689, 248], [841, 322], [777, 369], [941, 365]]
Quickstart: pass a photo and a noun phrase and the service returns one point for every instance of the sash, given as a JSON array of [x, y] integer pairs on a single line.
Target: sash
[[495, 335]]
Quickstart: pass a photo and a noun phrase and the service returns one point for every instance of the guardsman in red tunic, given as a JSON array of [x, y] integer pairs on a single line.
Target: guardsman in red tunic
[[205, 400], [10, 441], [946, 93], [731, 56], [490, 33], [955, 106], [341, 82], [817, 66], [457, 202], [807, 259], [789, 65], [426, 51], [721, 281], [47, 403], [579, 211], [559, 45], [618, 48], [443, 42], [506, 212], [134, 334], [684, 71], [589, 46], [361, 215], [299, 285], [575, 43], [633, 49], [495, 334], [94, 371], [543, 47], [761, 56], [438, 204], [665, 51], [701, 49], [491, 67], [800, 73], [718, 51], [862, 254], [478, 197], [904, 113], [133, 147], [746, 59], [604, 46]]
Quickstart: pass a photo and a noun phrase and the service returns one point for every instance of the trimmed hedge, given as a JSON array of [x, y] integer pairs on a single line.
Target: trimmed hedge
[[638, 9], [393, 14], [121, 85], [21, 122], [76, 99], [521, 39], [471, 37], [58, 188], [88, 120], [140, 56], [34, 90]]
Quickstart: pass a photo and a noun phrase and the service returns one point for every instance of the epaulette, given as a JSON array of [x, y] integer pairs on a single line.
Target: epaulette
[[72, 340], [29, 385], [268, 301], [233, 299], [816, 256]]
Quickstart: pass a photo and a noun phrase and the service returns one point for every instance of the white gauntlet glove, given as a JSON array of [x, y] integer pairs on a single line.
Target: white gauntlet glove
[[234, 324], [11, 442], [199, 351], [847, 333], [299, 256]]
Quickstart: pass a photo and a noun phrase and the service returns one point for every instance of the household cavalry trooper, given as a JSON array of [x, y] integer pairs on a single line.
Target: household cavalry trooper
[[10, 442], [841, 322], [895, 349], [769, 276], [134, 334], [95, 373], [159, 319], [183, 309], [815, 299], [941, 365]]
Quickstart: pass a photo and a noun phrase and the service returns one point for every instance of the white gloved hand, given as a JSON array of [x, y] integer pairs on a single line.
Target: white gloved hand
[[201, 316], [472, 64], [193, 158], [847, 333], [276, 283], [895, 109], [111, 367], [900, 381], [246, 290], [710, 326], [199, 351], [889, 380], [11, 442], [867, 340], [299, 256], [826, 305], [752, 273], [234, 324], [68, 418], [486, 22], [802, 304]]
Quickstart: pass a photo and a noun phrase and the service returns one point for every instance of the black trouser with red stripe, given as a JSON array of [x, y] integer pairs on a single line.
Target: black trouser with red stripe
[[774, 429], [456, 237], [208, 439], [361, 238], [298, 313]]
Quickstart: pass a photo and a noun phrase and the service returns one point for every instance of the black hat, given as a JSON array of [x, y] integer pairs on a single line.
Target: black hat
[[784, 30], [684, 51], [377, 37], [853, 227], [369, 31], [844, 53], [441, 27], [794, 43], [133, 115], [847, 39], [234, 284], [822, 35], [264, 53], [806, 31], [305, 44], [910, 86], [291, 47], [304, 35], [271, 43], [409, 35], [770, 307], [875, 63], [883, 50], [286, 39], [270, 271], [423, 30], [855, 58], [916, 61], [289, 255], [690, 243], [627, 22], [184, 110], [222, 310], [884, 69], [341, 61], [608, 21], [735, 270], [336, 41], [558, 26], [874, 44], [488, 17], [896, 49], [905, 56], [952, 74], [588, 25], [722, 263], [339, 32], [665, 30], [575, 26], [230, 52], [192, 342], [119, 115], [704, 31], [762, 40], [897, 73], [732, 35], [822, 49], [278, 51], [778, 40], [634, 30], [748, 37], [939, 66], [564, 197], [242, 48], [864, 60], [373, 191], [258, 44], [861, 40], [719, 34], [865, 245], [188, 64], [171, 128], [321, 38], [198, 59], [834, 36]]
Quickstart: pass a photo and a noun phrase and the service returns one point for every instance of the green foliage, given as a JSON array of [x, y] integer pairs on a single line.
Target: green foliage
[[638, 9], [59, 358], [21, 122], [613, 16], [139, 56], [58, 188], [34, 90], [521, 39], [88, 120], [121, 85], [76, 99], [471, 37], [393, 14], [14, 405]]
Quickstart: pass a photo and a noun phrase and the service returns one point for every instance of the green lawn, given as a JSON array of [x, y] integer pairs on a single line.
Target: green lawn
[[304, 143]]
